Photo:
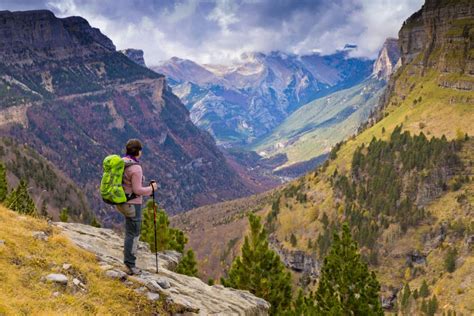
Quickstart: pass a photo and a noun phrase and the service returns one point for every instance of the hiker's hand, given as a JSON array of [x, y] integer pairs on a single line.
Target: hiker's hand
[[154, 185]]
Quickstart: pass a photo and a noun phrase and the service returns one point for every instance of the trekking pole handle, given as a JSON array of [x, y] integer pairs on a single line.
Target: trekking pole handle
[[152, 187]]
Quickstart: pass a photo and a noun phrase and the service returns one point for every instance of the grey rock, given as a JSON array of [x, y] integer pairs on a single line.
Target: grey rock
[[56, 294], [78, 282], [297, 261], [40, 235], [57, 278], [140, 290], [415, 257], [153, 296], [152, 285], [116, 274], [469, 240], [187, 294], [163, 283], [135, 55], [387, 59], [106, 267], [388, 302], [66, 266]]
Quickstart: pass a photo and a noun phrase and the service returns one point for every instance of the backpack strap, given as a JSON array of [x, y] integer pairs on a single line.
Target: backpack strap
[[128, 163]]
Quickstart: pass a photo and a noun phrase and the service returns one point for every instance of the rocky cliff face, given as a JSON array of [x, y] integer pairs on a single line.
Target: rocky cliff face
[[240, 103], [47, 37], [136, 55], [73, 98], [440, 36], [437, 40], [184, 294], [387, 60]]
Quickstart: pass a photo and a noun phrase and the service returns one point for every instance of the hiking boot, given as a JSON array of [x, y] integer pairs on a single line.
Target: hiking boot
[[133, 270]]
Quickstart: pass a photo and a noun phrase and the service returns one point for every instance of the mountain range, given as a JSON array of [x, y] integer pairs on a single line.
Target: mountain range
[[316, 127], [67, 93], [403, 183], [242, 102]]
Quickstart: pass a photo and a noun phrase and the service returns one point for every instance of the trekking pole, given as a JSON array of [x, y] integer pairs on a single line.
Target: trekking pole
[[154, 224]]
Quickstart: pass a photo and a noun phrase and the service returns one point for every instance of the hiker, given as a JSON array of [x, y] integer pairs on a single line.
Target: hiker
[[132, 209]]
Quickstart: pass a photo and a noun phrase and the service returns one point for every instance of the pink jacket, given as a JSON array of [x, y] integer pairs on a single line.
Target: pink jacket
[[132, 182]]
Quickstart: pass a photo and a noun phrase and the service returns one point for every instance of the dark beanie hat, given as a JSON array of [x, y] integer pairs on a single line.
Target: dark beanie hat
[[133, 147]]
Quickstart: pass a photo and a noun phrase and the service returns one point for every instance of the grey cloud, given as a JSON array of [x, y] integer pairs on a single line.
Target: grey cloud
[[219, 30]]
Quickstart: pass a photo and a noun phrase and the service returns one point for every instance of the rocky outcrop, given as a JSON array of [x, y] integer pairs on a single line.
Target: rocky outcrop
[[387, 60], [441, 34], [307, 267], [63, 73], [47, 37], [182, 293], [136, 55], [437, 37]]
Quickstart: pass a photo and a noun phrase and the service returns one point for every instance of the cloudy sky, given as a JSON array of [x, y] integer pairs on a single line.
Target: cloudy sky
[[217, 31]]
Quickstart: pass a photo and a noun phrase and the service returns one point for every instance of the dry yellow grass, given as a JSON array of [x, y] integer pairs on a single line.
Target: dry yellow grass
[[441, 111], [25, 260]]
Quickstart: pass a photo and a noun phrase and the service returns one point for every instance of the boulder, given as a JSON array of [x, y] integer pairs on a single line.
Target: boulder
[[152, 296], [415, 257], [183, 293], [116, 274], [39, 235], [57, 278]]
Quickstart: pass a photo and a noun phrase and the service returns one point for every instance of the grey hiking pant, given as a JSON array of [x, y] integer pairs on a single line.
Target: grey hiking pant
[[132, 234]]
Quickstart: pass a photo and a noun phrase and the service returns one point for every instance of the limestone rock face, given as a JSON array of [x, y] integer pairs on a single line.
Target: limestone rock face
[[186, 294], [48, 37], [387, 59], [442, 31], [136, 55]]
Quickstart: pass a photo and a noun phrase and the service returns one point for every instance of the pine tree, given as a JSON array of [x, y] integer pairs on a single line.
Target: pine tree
[[405, 297], [187, 264], [450, 260], [260, 270], [424, 291], [432, 306], [415, 294], [167, 238], [64, 215], [346, 287], [293, 240], [3, 183], [19, 200]]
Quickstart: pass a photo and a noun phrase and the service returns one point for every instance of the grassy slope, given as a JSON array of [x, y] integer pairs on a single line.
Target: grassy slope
[[441, 111], [25, 260], [317, 126]]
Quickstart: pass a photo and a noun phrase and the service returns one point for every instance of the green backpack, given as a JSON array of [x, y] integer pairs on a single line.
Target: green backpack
[[111, 188]]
